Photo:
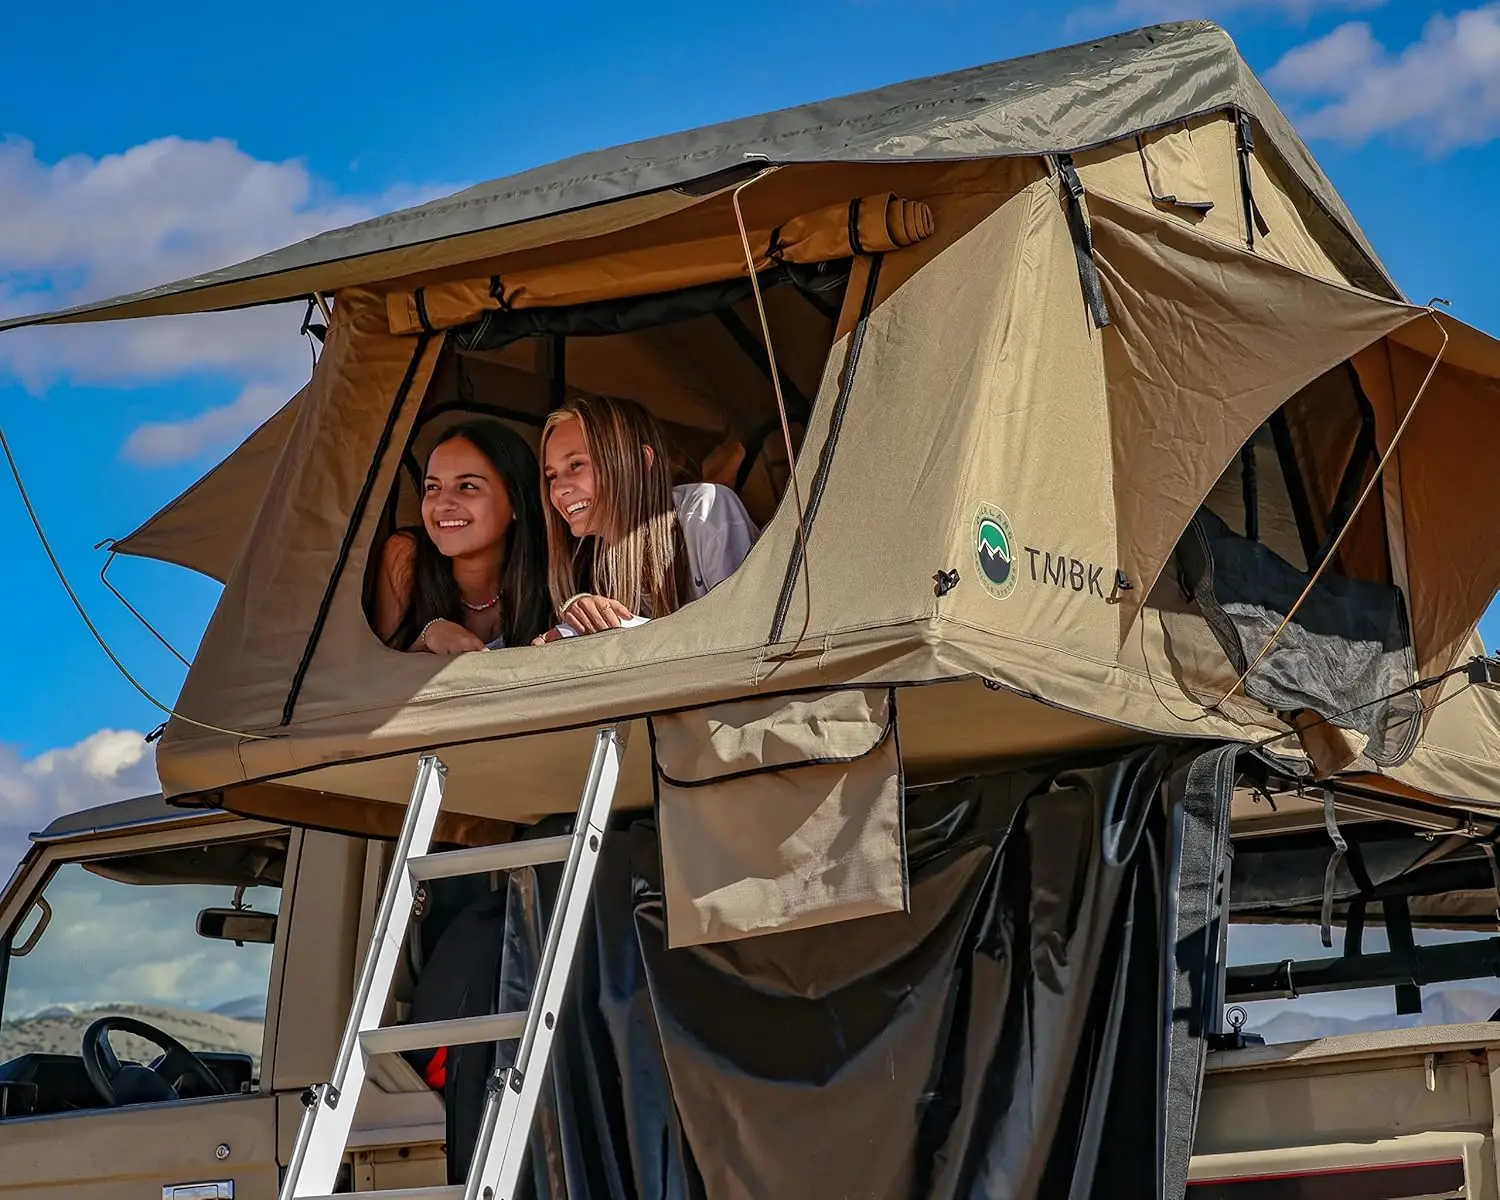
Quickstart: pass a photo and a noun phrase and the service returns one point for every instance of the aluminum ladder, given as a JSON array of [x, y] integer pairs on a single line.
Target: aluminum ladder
[[505, 1128]]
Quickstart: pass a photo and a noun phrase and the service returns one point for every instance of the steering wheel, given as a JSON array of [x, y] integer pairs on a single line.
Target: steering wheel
[[126, 1083]]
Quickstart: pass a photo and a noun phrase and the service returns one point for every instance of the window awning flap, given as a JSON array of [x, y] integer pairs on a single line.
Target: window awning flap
[[203, 528], [1208, 341]]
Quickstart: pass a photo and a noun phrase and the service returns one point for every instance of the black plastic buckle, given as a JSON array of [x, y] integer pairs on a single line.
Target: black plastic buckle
[[1485, 671], [1070, 177]]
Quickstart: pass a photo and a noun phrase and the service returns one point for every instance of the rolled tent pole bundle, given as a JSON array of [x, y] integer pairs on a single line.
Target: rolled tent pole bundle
[[871, 225]]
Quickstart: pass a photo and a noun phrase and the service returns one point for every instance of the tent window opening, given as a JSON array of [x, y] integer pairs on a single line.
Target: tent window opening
[[695, 358], [1252, 548], [1297, 478]]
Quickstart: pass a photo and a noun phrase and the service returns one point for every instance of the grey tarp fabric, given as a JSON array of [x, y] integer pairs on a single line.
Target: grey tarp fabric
[[1057, 101]]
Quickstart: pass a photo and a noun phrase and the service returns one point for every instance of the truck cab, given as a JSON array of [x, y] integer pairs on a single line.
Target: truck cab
[[234, 942]]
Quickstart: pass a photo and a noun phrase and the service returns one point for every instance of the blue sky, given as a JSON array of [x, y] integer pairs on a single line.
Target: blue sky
[[134, 149]]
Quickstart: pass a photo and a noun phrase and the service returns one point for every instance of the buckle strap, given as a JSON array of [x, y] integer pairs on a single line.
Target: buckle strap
[[1340, 848], [1083, 241], [1253, 218]]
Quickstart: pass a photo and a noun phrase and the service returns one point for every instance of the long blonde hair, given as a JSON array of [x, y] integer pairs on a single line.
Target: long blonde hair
[[639, 557]]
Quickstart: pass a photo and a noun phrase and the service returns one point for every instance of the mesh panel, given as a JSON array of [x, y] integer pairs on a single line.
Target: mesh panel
[[1344, 654]]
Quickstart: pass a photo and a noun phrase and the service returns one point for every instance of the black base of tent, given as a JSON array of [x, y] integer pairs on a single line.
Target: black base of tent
[[1020, 1033]]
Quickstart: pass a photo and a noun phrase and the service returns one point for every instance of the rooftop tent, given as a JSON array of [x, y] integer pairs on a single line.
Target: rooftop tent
[[1025, 349]]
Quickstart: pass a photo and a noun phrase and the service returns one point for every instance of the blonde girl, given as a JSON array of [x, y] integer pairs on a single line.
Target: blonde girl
[[622, 542]]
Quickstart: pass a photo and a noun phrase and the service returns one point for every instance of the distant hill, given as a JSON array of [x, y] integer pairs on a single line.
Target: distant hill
[[247, 1008], [1445, 1006], [60, 1031]]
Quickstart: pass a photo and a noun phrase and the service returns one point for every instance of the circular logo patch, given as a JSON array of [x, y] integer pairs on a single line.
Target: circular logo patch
[[994, 548]]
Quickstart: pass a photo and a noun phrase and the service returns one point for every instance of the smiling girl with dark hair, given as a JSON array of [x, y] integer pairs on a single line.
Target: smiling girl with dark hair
[[474, 575]]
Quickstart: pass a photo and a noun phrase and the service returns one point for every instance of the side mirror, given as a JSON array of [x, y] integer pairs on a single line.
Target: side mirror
[[237, 925]]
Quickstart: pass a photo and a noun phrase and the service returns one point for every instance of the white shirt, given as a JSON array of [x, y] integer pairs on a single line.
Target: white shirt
[[717, 531]]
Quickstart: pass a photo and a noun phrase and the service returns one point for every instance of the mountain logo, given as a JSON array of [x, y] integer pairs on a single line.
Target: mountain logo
[[994, 549]]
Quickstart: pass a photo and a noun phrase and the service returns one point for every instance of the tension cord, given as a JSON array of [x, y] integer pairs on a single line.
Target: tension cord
[[36, 524], [786, 429]]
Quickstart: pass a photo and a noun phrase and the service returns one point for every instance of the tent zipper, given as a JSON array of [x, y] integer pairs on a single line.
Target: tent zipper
[[1083, 241]]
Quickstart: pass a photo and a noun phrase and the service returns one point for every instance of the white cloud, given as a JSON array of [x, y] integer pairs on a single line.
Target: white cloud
[[110, 764], [1440, 92], [139, 943], [1325, 65], [160, 442], [83, 228]]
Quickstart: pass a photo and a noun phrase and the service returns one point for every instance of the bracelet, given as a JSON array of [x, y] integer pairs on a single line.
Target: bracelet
[[422, 637], [572, 600]]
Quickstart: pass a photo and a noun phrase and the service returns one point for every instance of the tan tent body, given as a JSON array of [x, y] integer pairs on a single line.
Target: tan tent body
[[1002, 311]]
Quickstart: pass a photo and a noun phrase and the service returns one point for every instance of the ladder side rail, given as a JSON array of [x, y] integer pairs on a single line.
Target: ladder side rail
[[323, 1136], [510, 1107]]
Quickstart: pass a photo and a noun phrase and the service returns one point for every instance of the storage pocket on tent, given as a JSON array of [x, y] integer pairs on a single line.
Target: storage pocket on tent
[[1174, 174], [779, 813]]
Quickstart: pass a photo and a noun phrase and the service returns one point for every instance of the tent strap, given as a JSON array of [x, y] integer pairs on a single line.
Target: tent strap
[[1340, 848], [1083, 241], [1250, 490], [1253, 219], [1397, 913]]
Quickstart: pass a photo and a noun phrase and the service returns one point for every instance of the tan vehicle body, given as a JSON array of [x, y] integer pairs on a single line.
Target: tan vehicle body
[[1425, 1096], [146, 1151]]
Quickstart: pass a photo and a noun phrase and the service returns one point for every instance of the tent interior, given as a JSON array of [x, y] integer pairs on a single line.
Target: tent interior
[[1280, 521], [696, 358]]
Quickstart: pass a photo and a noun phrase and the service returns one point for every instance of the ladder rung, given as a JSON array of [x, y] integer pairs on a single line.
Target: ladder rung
[[476, 860], [429, 1035], [451, 1192]]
